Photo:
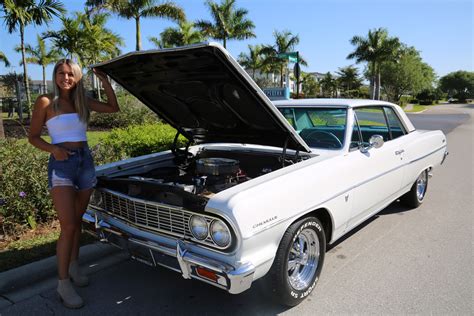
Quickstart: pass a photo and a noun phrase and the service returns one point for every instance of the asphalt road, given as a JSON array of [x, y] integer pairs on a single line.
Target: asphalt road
[[398, 262]]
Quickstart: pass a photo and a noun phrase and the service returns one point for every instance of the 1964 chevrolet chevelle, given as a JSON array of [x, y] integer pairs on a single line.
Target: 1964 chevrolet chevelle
[[262, 188]]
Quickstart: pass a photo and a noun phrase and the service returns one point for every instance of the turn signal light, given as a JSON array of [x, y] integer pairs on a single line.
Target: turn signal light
[[207, 274]]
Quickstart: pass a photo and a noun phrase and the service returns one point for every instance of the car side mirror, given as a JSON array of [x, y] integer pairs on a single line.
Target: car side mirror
[[376, 141]]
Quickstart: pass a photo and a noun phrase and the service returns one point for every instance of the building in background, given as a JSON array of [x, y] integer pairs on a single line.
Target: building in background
[[36, 86]]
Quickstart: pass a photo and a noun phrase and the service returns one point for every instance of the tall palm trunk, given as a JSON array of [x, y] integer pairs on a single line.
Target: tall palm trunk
[[25, 76], [45, 88], [377, 95], [372, 82], [138, 36], [224, 42]]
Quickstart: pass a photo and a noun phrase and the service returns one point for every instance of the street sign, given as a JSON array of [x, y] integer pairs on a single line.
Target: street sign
[[292, 56]]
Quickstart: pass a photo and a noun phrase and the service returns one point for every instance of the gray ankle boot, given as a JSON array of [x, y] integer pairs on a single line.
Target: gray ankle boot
[[77, 277], [68, 295]]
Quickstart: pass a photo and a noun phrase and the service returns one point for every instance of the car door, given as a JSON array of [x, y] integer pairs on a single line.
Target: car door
[[378, 171]]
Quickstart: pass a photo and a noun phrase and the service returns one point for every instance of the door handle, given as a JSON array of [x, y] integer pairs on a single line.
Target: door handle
[[399, 152]]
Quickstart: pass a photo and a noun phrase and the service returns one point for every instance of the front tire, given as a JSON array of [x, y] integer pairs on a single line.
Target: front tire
[[298, 262], [416, 195]]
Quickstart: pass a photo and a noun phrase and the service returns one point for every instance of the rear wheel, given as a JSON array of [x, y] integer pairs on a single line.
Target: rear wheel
[[416, 195], [298, 262]]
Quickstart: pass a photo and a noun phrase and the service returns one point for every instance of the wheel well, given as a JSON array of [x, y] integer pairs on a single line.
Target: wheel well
[[323, 215]]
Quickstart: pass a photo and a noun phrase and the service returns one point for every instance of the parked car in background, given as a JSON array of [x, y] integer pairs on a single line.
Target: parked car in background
[[261, 189]]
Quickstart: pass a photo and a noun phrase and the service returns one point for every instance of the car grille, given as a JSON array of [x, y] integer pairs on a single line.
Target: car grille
[[154, 216]]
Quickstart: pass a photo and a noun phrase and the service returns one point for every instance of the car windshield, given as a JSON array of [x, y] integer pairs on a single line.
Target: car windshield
[[319, 127]]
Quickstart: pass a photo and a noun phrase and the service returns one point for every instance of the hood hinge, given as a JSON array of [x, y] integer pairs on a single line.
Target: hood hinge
[[283, 154], [179, 152]]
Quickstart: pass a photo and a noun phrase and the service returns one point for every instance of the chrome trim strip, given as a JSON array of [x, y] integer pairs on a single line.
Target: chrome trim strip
[[415, 160], [343, 192]]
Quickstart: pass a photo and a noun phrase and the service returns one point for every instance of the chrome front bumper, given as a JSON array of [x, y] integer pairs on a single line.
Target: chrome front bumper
[[180, 258]]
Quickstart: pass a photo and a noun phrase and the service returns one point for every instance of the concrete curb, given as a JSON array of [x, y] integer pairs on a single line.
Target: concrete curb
[[18, 278]]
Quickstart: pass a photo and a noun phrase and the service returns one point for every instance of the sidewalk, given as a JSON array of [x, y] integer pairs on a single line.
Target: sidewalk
[[26, 281]]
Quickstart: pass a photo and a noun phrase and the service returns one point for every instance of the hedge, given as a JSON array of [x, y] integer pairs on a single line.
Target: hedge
[[24, 195]]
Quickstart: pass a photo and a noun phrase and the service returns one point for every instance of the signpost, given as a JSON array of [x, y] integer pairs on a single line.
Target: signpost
[[294, 57]]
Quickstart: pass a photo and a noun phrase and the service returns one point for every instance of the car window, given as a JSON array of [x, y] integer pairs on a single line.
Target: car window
[[319, 127], [372, 121], [396, 127]]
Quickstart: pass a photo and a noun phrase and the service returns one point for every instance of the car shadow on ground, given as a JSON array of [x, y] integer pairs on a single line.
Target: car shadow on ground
[[394, 208]]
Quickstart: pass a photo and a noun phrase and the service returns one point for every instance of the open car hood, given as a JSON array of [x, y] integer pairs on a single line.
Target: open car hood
[[204, 93]]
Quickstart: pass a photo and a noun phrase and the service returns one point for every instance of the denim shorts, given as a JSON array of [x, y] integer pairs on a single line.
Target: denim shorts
[[77, 171]]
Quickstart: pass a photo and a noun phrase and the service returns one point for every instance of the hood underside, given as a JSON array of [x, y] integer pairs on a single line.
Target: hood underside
[[202, 92]]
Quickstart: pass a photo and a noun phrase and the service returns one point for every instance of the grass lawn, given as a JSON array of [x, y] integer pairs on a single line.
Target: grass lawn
[[416, 108], [93, 137], [32, 246]]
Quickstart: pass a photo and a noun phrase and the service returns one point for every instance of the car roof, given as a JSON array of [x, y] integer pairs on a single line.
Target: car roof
[[345, 103]]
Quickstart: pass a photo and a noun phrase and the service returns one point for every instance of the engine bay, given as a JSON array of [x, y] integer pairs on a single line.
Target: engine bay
[[190, 180]]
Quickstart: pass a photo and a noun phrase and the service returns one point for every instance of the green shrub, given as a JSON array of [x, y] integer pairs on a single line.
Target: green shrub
[[135, 141], [23, 186], [404, 100], [132, 112], [427, 97]]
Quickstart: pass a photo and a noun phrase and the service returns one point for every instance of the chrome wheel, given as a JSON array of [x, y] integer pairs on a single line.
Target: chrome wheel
[[421, 185], [303, 259]]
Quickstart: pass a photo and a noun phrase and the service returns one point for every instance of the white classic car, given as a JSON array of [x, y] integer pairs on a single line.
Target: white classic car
[[261, 189]]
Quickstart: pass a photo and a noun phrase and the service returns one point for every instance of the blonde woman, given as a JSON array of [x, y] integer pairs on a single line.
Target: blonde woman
[[71, 173]]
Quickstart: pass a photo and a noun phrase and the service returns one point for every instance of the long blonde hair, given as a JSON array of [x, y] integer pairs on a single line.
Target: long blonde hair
[[78, 93]]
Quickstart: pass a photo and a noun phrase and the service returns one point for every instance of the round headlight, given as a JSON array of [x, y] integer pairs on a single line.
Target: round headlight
[[220, 233], [198, 226], [96, 199]]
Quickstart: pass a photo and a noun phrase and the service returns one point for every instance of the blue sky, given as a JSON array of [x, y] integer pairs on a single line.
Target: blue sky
[[442, 30]]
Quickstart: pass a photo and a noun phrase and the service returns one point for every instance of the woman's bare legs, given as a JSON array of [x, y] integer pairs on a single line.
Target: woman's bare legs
[[64, 198], [81, 202]]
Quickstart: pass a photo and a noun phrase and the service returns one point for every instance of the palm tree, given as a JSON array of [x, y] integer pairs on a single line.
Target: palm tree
[[349, 78], [285, 42], [229, 22], [19, 14], [4, 59], [85, 38], [328, 85], [40, 55], [136, 9], [374, 49], [71, 38], [310, 85], [253, 60], [102, 43], [184, 34]]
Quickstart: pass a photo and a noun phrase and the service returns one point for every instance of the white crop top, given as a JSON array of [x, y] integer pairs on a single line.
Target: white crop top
[[66, 128]]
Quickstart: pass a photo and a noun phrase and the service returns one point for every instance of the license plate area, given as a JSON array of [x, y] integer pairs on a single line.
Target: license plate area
[[141, 254]]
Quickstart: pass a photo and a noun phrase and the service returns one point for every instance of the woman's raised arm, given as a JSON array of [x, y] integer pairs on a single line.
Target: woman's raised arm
[[111, 105]]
